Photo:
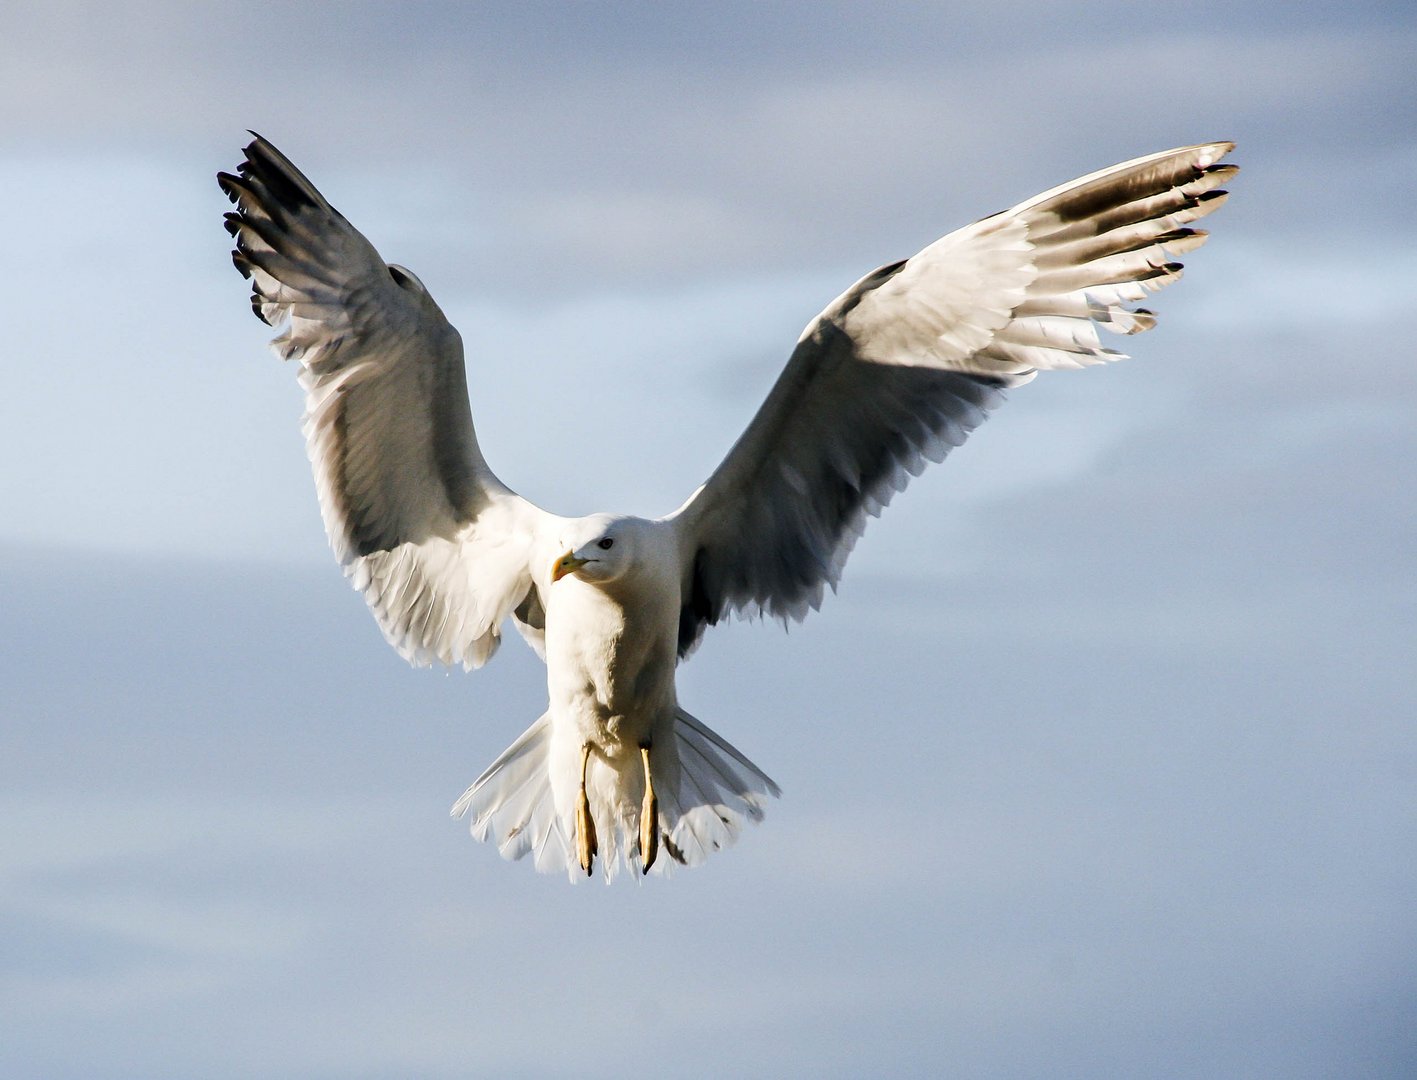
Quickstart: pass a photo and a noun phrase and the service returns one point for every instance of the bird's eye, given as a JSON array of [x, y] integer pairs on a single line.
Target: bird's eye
[[606, 544]]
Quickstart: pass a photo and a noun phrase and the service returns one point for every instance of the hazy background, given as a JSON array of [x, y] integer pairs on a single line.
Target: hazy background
[[1102, 763]]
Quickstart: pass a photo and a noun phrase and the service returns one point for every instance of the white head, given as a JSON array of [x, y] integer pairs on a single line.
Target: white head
[[599, 549]]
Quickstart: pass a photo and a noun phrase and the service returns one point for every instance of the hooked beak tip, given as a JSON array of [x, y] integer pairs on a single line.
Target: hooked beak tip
[[566, 564]]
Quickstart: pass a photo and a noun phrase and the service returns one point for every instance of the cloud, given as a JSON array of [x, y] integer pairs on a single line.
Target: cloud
[[1021, 845]]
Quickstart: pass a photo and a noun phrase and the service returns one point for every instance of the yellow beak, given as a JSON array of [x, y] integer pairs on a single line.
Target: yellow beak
[[566, 564]]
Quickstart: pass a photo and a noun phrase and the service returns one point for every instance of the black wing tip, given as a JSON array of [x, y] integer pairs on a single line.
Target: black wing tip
[[233, 187], [266, 169]]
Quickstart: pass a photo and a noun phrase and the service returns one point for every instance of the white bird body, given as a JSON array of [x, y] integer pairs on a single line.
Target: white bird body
[[613, 643], [891, 375]]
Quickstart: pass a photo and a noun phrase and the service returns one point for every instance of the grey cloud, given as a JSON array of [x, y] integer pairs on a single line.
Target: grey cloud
[[1059, 850], [770, 161]]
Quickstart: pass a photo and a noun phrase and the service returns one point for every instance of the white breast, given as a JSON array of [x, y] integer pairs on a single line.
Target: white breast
[[610, 658]]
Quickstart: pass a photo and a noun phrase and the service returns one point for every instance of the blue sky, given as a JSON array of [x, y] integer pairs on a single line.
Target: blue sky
[[1101, 763]]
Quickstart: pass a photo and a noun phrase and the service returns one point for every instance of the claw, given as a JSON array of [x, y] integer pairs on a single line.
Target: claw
[[649, 819], [585, 823]]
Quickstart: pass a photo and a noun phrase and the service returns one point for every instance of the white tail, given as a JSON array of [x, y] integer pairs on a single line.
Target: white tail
[[524, 802]]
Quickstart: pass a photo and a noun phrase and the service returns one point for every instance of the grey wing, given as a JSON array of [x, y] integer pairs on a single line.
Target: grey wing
[[440, 548], [900, 368]]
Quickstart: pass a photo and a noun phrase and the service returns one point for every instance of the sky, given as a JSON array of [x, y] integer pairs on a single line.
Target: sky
[[1101, 762]]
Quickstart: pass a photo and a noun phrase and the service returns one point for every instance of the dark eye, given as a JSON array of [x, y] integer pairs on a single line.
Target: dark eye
[[606, 544]]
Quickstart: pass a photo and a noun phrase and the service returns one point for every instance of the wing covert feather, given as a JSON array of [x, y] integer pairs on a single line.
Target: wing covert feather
[[439, 547], [901, 367]]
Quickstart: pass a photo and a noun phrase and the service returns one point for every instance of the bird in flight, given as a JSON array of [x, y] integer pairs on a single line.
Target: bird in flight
[[892, 374]]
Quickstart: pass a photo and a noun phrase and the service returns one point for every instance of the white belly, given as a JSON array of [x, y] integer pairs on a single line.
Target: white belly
[[610, 678]]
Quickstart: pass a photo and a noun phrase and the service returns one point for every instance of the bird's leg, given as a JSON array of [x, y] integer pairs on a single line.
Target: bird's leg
[[649, 819], [585, 824]]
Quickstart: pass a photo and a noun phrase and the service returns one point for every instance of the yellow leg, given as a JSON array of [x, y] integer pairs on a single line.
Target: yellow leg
[[649, 819], [585, 824]]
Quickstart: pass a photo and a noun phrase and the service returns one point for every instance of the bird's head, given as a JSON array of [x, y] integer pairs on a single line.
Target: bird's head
[[597, 549]]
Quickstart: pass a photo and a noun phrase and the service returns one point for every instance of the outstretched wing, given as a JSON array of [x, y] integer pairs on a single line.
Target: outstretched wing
[[907, 362], [439, 547]]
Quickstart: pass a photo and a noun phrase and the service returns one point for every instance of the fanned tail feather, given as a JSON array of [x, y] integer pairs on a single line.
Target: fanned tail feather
[[719, 791], [707, 791], [512, 805]]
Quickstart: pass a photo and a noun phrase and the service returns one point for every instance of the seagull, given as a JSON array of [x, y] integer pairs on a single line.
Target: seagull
[[893, 374]]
